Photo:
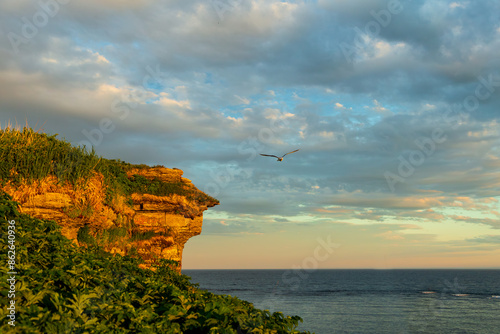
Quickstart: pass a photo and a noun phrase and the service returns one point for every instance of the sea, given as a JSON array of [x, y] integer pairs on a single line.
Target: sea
[[369, 301]]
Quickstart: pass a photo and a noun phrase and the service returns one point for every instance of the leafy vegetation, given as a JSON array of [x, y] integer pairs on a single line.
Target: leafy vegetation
[[61, 288]]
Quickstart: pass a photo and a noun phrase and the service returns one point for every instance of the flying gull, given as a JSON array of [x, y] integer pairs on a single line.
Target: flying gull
[[279, 158]]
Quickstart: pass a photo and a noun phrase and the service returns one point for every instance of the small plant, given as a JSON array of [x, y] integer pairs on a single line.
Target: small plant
[[139, 236], [146, 235], [133, 252], [84, 236], [81, 210], [115, 233]]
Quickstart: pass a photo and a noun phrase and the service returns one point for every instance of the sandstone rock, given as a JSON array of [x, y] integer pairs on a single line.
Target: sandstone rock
[[161, 173], [164, 222]]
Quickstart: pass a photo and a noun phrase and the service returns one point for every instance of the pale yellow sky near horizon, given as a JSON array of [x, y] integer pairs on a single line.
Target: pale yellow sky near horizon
[[362, 245]]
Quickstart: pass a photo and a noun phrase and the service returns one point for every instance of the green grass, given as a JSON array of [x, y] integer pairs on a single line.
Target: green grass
[[27, 155], [61, 288], [141, 184]]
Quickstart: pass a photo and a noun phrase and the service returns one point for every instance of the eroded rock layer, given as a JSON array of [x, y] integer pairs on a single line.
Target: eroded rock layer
[[153, 227]]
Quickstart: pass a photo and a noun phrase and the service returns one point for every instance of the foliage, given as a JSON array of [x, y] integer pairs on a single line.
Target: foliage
[[61, 288]]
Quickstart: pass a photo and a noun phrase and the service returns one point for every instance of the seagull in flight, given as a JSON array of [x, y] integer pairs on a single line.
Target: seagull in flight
[[279, 158]]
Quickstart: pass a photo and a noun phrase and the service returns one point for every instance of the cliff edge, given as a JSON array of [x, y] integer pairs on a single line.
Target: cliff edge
[[137, 210]]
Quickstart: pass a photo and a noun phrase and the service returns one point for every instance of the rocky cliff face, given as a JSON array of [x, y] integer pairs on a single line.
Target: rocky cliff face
[[152, 227], [177, 216]]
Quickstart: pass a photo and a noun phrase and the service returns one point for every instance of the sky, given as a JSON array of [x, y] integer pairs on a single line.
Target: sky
[[394, 105]]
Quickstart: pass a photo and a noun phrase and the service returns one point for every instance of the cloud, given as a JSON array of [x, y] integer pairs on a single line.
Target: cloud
[[380, 109], [393, 202], [486, 239], [390, 235], [494, 223], [457, 5]]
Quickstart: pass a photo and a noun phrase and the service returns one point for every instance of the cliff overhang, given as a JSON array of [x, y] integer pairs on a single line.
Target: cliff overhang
[[137, 210]]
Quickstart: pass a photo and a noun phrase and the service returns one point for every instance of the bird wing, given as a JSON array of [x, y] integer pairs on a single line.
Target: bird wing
[[268, 155], [290, 152]]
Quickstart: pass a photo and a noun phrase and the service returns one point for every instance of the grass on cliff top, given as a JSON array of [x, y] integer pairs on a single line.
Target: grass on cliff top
[[28, 155], [61, 288]]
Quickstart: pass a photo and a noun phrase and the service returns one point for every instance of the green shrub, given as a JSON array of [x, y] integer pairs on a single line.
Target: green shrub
[[84, 236]]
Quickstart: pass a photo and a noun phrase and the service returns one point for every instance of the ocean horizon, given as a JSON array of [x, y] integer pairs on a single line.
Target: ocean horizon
[[368, 300]]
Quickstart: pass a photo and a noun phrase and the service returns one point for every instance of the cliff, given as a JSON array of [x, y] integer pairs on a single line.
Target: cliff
[[179, 217], [148, 212]]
